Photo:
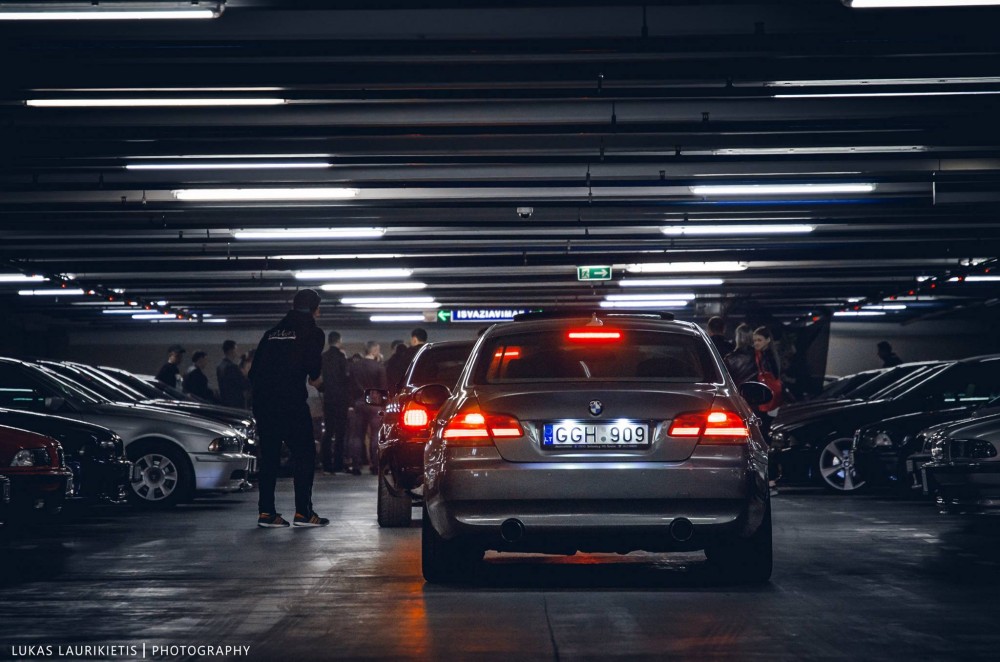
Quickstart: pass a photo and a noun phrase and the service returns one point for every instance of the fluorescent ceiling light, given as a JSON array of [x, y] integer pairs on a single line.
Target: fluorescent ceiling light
[[355, 301], [21, 278], [696, 230], [126, 311], [227, 157], [981, 279], [644, 304], [247, 165], [97, 13], [341, 256], [858, 313], [238, 194], [99, 303], [671, 282], [334, 274], [864, 149], [311, 233], [397, 306], [50, 293], [153, 316], [887, 306], [683, 267], [216, 320], [855, 299], [779, 189], [892, 4], [847, 95], [373, 287], [153, 103], [674, 296], [396, 318]]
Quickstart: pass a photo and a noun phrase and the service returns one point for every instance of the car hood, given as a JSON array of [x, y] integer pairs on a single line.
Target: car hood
[[227, 415], [174, 418], [987, 427], [845, 418]]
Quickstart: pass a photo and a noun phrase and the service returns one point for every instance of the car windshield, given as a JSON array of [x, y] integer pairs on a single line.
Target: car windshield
[[439, 365], [147, 390], [886, 379], [66, 388], [558, 355], [845, 385], [83, 378], [904, 385]]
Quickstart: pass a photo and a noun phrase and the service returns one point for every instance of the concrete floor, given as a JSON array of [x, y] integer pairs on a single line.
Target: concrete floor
[[855, 578]]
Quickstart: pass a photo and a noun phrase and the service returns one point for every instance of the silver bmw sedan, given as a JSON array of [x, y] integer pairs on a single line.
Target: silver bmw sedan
[[607, 432]]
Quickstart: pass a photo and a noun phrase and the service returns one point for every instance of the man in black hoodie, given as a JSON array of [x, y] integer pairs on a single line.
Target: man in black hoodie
[[287, 355]]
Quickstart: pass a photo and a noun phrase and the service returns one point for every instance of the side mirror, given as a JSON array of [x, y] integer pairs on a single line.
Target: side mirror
[[432, 396], [376, 397], [755, 393], [54, 403]]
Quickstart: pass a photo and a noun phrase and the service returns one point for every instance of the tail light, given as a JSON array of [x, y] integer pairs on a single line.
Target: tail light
[[710, 427], [594, 336], [473, 427], [415, 416]]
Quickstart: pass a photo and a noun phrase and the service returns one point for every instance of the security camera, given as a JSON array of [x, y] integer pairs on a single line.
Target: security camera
[[525, 212]]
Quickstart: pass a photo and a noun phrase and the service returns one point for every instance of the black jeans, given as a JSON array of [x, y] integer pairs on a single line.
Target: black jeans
[[366, 422], [294, 427], [335, 435]]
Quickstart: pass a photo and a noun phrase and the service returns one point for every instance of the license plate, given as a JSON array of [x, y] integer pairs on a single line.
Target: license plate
[[572, 434]]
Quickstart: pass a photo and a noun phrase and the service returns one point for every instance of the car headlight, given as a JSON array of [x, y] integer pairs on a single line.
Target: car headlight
[[883, 440], [31, 458], [23, 459], [938, 450], [225, 445]]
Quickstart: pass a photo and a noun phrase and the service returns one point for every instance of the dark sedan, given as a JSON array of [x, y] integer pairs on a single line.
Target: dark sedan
[[881, 450], [94, 454], [406, 426], [817, 448]]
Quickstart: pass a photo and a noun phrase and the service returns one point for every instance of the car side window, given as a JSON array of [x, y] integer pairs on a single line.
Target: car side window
[[19, 392]]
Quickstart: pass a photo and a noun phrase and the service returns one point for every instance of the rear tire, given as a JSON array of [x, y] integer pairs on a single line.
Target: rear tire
[[746, 560], [393, 511], [446, 561], [166, 477]]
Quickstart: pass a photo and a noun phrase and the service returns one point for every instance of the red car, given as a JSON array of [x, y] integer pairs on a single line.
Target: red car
[[36, 468]]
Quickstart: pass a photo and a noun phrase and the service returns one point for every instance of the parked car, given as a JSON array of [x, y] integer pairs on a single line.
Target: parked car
[[406, 426], [964, 472], [871, 389], [111, 387], [882, 450], [175, 454], [816, 449], [36, 468], [603, 433], [94, 454], [4, 499]]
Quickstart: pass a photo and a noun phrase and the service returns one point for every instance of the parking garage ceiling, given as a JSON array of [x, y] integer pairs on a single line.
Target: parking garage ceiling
[[476, 154]]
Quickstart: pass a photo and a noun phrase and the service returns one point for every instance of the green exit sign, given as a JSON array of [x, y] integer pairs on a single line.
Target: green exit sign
[[593, 273]]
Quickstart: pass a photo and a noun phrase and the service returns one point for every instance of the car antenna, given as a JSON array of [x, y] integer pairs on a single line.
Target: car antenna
[[594, 321]]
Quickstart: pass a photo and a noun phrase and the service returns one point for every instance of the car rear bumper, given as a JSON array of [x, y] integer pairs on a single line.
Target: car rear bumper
[[225, 472], [613, 506]]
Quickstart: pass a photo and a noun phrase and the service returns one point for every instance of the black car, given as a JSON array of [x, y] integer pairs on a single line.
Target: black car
[[816, 448], [870, 389], [406, 426], [94, 454], [882, 450], [4, 499]]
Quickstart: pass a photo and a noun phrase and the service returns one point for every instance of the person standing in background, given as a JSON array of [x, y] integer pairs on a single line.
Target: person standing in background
[[889, 358], [195, 381], [170, 372], [717, 334], [336, 402], [366, 374], [395, 365], [287, 355], [233, 383]]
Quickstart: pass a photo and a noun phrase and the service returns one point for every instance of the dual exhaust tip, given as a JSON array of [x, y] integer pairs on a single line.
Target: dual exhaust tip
[[512, 530]]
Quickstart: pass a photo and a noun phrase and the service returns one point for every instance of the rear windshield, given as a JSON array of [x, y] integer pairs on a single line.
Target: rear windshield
[[638, 356], [439, 365]]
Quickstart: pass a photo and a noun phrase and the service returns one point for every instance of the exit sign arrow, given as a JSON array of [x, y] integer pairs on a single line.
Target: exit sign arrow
[[593, 273], [444, 315]]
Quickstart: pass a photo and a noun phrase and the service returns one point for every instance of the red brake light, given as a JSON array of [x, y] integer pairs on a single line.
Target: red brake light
[[472, 427], [711, 427], [415, 416], [592, 335], [508, 353]]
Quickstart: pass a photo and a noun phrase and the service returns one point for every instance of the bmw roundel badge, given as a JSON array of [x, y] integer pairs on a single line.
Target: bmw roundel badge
[[596, 407]]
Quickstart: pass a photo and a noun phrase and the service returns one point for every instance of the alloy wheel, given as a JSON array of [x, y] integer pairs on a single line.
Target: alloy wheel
[[837, 468]]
